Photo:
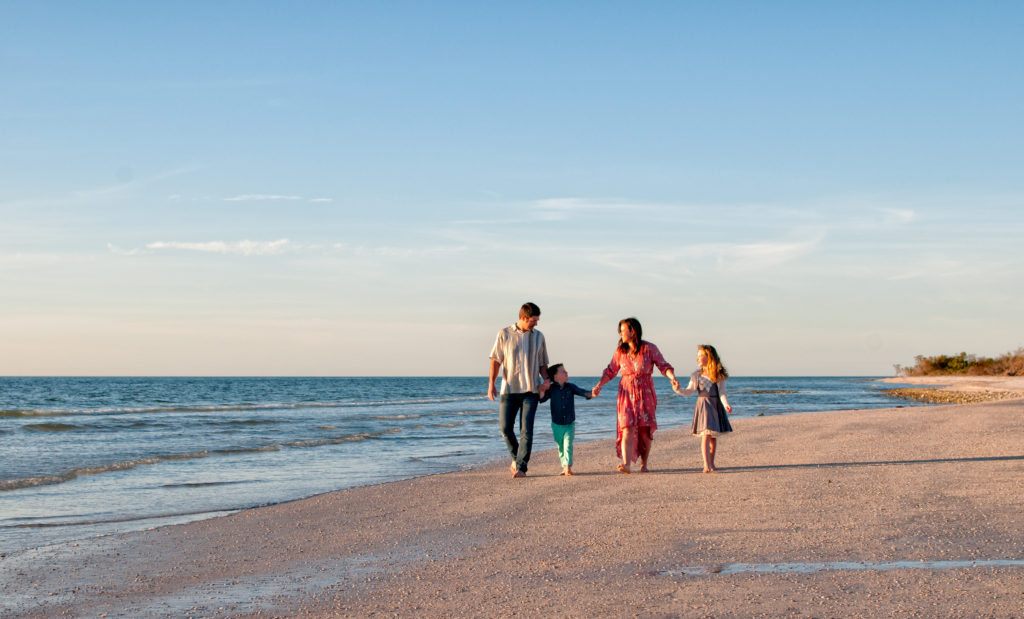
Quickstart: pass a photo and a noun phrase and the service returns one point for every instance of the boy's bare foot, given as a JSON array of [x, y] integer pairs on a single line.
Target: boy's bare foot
[[518, 474], [624, 469], [568, 470]]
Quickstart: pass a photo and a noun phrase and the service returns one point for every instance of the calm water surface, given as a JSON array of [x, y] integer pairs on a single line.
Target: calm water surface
[[92, 456]]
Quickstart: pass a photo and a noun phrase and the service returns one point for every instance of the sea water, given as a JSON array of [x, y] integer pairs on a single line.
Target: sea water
[[90, 456]]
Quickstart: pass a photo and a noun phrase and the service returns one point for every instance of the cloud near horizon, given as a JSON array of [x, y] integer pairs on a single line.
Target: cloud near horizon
[[251, 197], [243, 248], [260, 196]]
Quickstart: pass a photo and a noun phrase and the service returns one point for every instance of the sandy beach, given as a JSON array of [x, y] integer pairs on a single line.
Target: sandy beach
[[902, 511]]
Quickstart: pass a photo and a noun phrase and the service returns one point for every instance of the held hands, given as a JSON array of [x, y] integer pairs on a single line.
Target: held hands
[[596, 391]]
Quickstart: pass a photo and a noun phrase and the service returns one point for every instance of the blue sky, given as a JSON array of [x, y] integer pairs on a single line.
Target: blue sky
[[374, 188]]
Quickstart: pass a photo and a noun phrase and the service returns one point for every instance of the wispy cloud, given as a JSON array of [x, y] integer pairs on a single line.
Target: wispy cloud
[[243, 248], [114, 249], [560, 209], [756, 256], [102, 194], [551, 209], [321, 199], [260, 196], [386, 251], [893, 216]]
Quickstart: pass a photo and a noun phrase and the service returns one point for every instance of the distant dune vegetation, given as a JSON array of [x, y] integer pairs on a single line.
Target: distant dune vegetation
[[1009, 364]]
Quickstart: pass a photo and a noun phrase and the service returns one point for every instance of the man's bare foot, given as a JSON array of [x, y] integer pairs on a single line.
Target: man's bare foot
[[512, 468], [518, 474], [624, 469]]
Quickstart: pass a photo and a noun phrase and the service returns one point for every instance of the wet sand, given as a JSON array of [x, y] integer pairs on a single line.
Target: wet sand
[[901, 511]]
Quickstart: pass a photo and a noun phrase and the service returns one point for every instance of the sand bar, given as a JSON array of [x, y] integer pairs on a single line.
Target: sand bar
[[968, 384], [902, 511]]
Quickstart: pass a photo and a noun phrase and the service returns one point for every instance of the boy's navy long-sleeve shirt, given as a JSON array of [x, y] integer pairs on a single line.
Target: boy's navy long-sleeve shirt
[[563, 409]]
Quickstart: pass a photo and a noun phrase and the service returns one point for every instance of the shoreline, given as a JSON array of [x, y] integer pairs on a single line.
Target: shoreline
[[957, 389], [896, 491]]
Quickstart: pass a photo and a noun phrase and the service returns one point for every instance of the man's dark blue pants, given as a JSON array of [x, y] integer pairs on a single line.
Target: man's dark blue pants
[[511, 405]]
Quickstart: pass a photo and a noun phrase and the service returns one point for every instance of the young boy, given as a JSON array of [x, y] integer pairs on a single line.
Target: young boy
[[563, 412]]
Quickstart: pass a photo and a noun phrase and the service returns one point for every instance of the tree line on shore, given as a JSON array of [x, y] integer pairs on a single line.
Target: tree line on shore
[[1008, 364]]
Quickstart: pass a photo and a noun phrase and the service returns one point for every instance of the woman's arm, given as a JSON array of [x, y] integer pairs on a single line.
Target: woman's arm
[[672, 377], [664, 366], [609, 373]]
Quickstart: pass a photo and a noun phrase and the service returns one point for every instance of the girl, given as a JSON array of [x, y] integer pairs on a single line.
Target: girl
[[709, 416]]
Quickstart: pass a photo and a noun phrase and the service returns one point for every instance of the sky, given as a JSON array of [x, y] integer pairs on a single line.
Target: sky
[[374, 188]]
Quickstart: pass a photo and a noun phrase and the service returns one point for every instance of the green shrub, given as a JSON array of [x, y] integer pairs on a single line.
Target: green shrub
[[1009, 364]]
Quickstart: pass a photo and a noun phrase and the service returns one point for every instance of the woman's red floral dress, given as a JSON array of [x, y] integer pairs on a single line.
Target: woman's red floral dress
[[637, 399]]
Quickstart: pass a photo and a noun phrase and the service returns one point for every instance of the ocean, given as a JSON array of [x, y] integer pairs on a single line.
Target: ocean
[[81, 457]]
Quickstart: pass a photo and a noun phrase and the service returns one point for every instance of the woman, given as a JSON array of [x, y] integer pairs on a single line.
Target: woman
[[637, 400], [709, 416]]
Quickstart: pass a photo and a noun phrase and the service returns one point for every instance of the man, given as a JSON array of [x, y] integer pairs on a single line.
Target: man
[[522, 355]]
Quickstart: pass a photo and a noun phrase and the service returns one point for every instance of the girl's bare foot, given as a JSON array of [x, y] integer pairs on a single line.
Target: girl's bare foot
[[624, 469], [707, 470]]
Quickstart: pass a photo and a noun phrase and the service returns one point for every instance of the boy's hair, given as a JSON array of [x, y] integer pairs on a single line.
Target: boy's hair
[[553, 370], [529, 310]]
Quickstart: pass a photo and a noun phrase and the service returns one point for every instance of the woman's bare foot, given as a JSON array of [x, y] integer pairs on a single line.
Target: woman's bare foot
[[624, 469], [518, 474], [512, 468], [643, 469]]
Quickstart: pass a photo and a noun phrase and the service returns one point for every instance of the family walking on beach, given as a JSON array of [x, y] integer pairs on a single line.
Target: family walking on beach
[[520, 355]]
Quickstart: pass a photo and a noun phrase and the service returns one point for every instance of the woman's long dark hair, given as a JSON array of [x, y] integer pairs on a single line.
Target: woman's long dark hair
[[634, 326]]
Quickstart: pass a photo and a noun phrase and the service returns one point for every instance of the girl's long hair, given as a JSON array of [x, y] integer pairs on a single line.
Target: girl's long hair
[[713, 367], [634, 325]]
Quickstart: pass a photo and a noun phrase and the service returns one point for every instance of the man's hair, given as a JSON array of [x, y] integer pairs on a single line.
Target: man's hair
[[553, 370], [529, 310]]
